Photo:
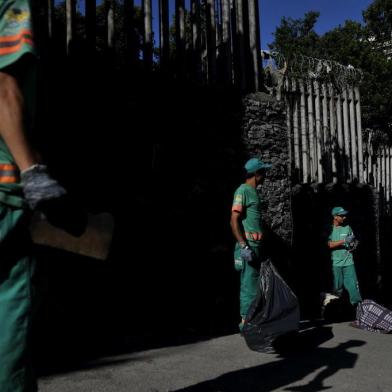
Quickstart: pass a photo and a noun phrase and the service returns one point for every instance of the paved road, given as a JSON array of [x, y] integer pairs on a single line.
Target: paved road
[[335, 357]]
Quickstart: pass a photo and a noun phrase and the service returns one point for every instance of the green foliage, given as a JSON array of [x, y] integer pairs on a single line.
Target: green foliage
[[351, 44]]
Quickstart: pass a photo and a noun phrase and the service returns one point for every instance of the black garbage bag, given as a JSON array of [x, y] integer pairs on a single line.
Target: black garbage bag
[[274, 312]]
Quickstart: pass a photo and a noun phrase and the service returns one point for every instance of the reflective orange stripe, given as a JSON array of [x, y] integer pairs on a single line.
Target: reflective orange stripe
[[8, 180], [10, 38], [237, 207], [17, 47], [8, 166], [9, 174], [253, 236]]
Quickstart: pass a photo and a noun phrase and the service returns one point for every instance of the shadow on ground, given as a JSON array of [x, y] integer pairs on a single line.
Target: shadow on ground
[[299, 356]]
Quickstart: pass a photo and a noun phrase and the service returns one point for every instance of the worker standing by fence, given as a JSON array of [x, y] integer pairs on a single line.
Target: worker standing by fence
[[247, 230]]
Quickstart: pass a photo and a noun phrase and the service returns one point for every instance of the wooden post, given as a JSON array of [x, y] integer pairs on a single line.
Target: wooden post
[[375, 169], [312, 139], [240, 71], [319, 137], [340, 137], [346, 133], [226, 42], [353, 135], [254, 44], [297, 164], [289, 124], [379, 169], [180, 38], [50, 14], [211, 40], [147, 22], [359, 132], [70, 11], [164, 34], [383, 171], [196, 39], [326, 136], [90, 10], [332, 127], [110, 24], [387, 174], [304, 138]]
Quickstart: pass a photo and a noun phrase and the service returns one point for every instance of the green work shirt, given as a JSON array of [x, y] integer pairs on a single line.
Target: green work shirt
[[248, 203], [16, 31], [341, 257]]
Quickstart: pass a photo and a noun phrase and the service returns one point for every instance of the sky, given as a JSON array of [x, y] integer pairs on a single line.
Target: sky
[[332, 13]]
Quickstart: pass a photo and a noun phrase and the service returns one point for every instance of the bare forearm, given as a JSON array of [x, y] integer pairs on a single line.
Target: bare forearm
[[12, 124], [237, 231]]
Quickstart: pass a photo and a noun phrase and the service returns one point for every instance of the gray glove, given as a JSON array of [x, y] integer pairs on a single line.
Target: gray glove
[[45, 194], [349, 240], [351, 243], [247, 254], [38, 186]]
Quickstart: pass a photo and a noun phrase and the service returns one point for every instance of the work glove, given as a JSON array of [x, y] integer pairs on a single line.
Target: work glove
[[350, 242], [39, 186], [247, 254], [45, 194]]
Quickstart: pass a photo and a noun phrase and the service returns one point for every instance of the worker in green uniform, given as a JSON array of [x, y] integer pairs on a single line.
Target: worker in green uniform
[[247, 229], [342, 241], [25, 185]]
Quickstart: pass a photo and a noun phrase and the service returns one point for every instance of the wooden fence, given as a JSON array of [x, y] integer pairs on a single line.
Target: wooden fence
[[324, 121], [212, 41]]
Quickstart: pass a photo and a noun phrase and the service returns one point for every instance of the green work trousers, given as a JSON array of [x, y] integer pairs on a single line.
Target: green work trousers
[[16, 292], [346, 277], [249, 278]]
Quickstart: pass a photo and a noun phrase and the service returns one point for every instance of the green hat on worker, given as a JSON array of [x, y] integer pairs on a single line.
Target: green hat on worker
[[339, 211], [255, 164]]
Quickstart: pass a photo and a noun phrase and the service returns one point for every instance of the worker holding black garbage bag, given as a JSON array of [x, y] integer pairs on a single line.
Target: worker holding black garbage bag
[[268, 307]]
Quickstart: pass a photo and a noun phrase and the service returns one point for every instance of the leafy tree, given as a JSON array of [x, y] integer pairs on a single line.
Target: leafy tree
[[351, 44]]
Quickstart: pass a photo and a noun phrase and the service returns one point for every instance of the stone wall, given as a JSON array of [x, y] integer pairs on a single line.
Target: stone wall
[[264, 134]]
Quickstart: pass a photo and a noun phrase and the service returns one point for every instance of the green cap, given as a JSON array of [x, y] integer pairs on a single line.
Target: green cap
[[255, 164], [339, 211]]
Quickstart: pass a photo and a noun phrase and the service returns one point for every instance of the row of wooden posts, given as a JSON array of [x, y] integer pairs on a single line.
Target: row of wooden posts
[[325, 131], [378, 167], [222, 36]]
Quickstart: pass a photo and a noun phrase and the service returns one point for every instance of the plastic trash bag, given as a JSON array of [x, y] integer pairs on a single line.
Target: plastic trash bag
[[373, 317], [274, 312]]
